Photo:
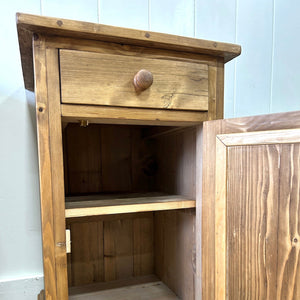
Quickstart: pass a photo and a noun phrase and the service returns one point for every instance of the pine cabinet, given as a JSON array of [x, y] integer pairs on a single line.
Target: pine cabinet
[[129, 176]]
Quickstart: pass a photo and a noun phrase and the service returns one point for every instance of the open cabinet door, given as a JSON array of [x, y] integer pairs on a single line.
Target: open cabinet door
[[251, 208]]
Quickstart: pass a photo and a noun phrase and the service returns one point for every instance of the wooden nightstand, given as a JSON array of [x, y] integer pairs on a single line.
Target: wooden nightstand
[[119, 115]]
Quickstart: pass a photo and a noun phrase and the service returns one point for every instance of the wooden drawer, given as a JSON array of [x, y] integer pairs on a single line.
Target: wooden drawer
[[107, 79]]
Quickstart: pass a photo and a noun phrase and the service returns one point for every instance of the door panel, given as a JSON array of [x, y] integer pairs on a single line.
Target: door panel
[[250, 217]]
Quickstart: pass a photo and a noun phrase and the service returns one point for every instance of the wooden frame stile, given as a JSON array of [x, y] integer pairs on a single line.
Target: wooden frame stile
[[220, 220], [216, 90], [51, 168]]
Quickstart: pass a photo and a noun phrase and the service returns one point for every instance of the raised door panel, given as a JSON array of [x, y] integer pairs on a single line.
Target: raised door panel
[[250, 220]]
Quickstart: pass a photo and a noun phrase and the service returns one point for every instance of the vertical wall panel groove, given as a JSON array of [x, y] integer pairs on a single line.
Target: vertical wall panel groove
[[272, 65]]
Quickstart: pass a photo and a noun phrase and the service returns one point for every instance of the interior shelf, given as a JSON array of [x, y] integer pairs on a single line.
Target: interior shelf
[[146, 291], [85, 206]]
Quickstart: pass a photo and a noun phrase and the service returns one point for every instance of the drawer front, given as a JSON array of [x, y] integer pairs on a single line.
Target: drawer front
[[107, 79]]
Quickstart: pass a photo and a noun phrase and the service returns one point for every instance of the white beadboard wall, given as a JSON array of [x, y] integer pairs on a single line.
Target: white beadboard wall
[[264, 79]]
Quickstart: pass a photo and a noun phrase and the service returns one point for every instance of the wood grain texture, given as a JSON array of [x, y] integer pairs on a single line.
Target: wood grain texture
[[176, 157], [36, 24], [127, 205], [211, 129], [57, 171], [107, 159], [147, 291], [107, 79], [128, 50], [82, 151], [143, 239], [100, 286], [216, 90], [110, 248], [198, 228], [87, 262], [116, 149], [263, 230], [175, 251], [118, 249], [221, 221], [261, 137], [132, 116], [51, 171], [45, 175]]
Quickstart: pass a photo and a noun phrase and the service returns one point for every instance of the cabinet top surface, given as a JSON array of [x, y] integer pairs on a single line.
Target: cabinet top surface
[[29, 24]]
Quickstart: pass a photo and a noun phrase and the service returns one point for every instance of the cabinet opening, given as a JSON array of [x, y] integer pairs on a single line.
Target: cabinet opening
[[124, 168], [130, 199]]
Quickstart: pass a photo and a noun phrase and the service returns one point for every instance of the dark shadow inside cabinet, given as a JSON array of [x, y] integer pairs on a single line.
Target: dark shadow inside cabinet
[[151, 251]]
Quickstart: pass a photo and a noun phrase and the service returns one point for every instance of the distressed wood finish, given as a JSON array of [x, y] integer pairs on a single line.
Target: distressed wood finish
[[45, 169], [80, 78], [87, 258], [100, 286], [128, 205], [263, 229], [51, 170], [28, 24], [107, 79], [57, 171], [175, 251], [110, 248], [132, 116], [147, 291], [253, 197]]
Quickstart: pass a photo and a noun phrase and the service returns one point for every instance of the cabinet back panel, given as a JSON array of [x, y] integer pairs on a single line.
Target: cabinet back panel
[[120, 158], [107, 159], [110, 248]]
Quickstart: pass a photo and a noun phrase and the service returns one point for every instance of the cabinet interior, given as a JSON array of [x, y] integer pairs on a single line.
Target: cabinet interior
[[104, 163]]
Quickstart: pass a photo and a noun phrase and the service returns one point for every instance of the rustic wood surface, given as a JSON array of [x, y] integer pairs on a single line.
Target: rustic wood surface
[[29, 24], [198, 228], [45, 174], [57, 171], [174, 248], [100, 286], [132, 116], [176, 158], [263, 228], [128, 205], [285, 283], [109, 248], [108, 79], [146, 291], [220, 221], [129, 50]]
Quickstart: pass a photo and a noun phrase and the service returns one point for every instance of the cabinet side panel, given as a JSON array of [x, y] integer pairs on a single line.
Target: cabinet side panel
[[176, 160], [175, 251]]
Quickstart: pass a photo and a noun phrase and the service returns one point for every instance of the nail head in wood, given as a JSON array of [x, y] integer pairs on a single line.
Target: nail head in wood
[[143, 79]]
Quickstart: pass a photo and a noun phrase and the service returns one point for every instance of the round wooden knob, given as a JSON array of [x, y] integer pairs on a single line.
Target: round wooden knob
[[142, 80]]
